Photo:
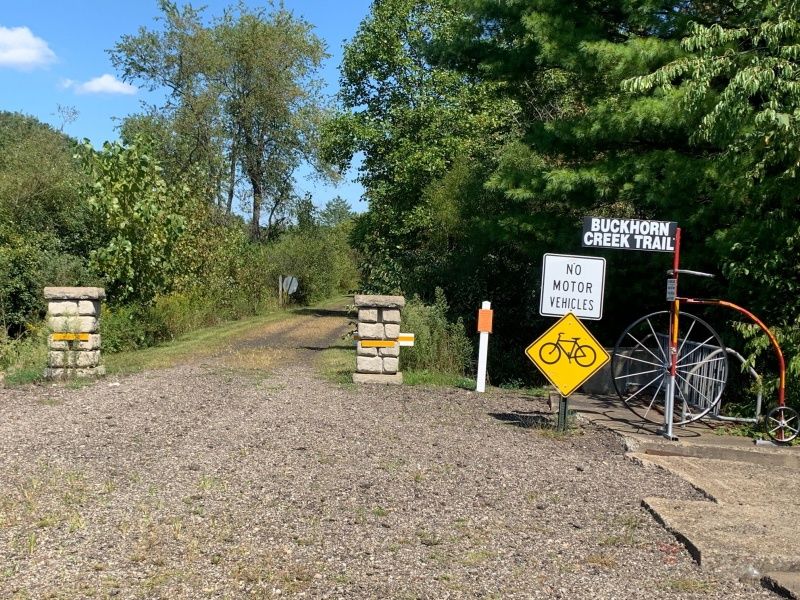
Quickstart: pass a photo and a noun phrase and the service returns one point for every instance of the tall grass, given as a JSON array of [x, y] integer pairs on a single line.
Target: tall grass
[[439, 345]]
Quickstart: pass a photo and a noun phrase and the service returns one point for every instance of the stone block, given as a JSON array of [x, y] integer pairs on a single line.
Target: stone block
[[394, 351], [74, 359], [368, 315], [89, 308], [73, 324], [394, 379], [63, 308], [370, 331], [390, 315], [74, 293], [392, 331], [361, 351], [92, 344], [391, 365], [369, 364], [51, 373], [369, 301]]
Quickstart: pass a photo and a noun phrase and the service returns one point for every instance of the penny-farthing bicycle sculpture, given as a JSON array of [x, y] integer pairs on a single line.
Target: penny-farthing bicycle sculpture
[[672, 367]]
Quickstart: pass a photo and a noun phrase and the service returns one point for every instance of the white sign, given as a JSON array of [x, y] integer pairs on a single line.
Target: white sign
[[629, 234], [572, 284]]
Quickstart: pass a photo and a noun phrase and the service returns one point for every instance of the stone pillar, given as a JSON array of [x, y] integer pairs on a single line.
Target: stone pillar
[[378, 321], [73, 315]]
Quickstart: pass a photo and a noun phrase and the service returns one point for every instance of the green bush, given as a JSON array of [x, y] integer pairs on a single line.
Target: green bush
[[24, 359], [319, 257], [439, 345]]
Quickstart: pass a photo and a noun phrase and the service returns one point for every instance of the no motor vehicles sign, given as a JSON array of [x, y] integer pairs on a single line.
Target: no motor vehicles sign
[[572, 284]]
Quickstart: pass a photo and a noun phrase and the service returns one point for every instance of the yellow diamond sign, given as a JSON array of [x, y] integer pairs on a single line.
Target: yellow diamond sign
[[567, 354]]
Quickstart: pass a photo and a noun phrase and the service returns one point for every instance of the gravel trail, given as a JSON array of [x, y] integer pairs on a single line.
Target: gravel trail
[[220, 480]]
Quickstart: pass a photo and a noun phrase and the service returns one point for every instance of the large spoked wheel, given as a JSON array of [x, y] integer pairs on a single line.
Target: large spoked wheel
[[782, 424], [640, 366]]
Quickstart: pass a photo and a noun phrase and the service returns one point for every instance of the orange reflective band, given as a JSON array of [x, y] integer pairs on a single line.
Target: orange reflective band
[[485, 318], [377, 343], [70, 337]]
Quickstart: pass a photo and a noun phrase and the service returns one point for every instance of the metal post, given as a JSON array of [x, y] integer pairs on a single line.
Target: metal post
[[483, 349], [669, 403], [562, 413]]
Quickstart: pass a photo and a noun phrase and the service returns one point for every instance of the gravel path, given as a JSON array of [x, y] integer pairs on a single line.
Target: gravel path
[[218, 480]]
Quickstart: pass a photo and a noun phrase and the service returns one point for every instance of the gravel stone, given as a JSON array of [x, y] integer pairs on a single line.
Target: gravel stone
[[219, 480]]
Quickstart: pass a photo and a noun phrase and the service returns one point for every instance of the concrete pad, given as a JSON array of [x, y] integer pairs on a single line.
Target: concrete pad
[[750, 520], [729, 538], [784, 583], [733, 482]]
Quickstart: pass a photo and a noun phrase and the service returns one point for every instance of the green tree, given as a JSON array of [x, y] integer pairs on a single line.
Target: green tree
[[138, 221], [44, 232], [411, 119], [242, 87], [335, 212], [739, 75]]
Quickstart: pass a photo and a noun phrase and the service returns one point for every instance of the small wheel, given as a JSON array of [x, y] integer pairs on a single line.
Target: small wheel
[[782, 424], [640, 366], [587, 356], [549, 353]]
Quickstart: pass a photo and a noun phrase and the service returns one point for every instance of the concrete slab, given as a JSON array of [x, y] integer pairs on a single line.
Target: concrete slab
[[784, 583], [730, 539], [750, 518]]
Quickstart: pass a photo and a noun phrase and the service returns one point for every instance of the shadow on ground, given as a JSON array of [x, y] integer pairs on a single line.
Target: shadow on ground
[[524, 419], [323, 312]]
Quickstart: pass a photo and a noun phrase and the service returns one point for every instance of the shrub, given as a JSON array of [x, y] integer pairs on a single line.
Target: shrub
[[439, 345]]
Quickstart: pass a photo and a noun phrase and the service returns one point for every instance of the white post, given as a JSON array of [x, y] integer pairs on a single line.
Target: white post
[[483, 350]]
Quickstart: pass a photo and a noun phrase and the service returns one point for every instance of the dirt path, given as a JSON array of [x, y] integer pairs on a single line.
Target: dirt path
[[221, 480]]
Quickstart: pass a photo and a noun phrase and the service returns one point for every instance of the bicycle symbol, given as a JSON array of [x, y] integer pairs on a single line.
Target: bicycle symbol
[[551, 352]]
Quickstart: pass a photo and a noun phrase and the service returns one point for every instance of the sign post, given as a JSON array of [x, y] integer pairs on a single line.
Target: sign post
[[653, 236], [485, 315], [568, 355]]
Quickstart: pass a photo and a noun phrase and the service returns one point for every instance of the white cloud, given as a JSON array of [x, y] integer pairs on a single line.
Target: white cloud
[[20, 49], [105, 84]]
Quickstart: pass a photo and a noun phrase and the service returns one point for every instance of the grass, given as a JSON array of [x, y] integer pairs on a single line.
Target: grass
[[337, 365], [426, 377], [202, 342], [689, 585]]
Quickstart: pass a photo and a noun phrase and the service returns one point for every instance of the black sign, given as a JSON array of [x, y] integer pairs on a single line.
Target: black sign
[[629, 234]]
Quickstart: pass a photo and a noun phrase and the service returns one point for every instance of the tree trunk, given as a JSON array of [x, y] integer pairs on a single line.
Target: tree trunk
[[232, 180], [255, 227]]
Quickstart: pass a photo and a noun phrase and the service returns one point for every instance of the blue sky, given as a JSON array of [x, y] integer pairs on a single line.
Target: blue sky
[[53, 53]]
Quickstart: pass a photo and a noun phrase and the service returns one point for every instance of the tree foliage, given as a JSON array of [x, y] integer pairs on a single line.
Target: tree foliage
[[138, 221], [630, 108], [242, 92]]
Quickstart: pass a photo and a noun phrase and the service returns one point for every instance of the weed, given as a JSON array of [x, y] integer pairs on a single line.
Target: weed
[[428, 538], [689, 585], [49, 401], [392, 465], [209, 483], [380, 512], [476, 557], [337, 365], [76, 522], [32, 542], [601, 560]]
